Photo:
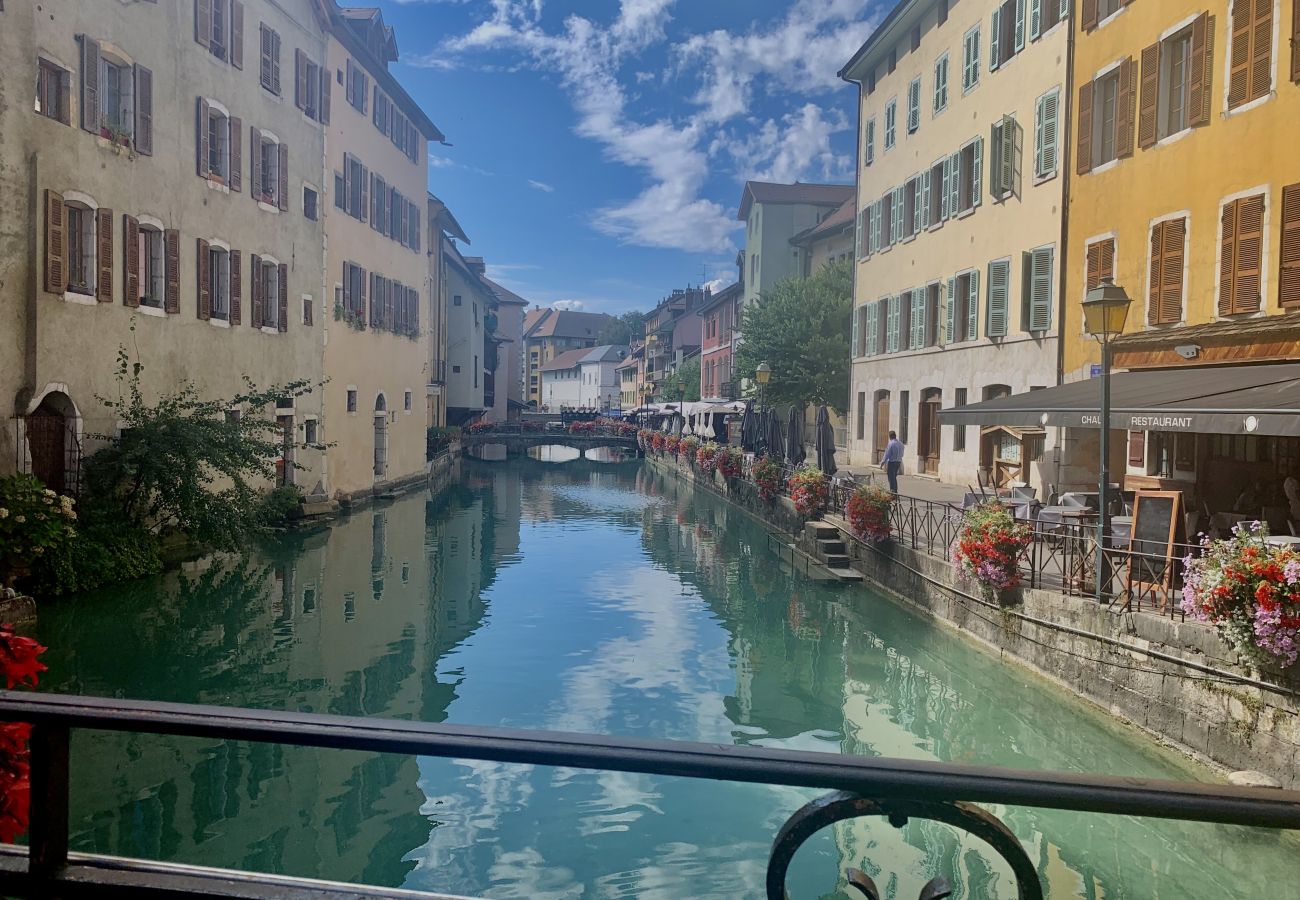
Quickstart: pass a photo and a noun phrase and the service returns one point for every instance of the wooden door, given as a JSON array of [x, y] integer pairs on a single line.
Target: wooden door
[[882, 425], [928, 438], [47, 440]]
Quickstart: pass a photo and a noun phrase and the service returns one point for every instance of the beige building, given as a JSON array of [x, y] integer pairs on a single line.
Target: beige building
[[774, 213], [377, 351], [960, 183], [471, 303], [443, 229], [162, 197], [830, 240], [548, 333], [507, 376]]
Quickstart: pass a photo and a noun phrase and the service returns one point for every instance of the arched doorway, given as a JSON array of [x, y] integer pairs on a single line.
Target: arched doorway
[[381, 437], [928, 435], [881, 429], [53, 449]]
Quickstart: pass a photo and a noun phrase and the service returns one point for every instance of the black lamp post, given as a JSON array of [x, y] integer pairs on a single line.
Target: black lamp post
[[1104, 310], [763, 374]]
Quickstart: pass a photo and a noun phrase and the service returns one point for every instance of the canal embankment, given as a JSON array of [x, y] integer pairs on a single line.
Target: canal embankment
[[1176, 680]]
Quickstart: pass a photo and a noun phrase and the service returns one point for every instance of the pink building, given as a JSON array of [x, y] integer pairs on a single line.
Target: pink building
[[721, 326]]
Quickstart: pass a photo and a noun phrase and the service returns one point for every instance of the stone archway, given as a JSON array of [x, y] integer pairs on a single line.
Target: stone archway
[[381, 437], [53, 449]]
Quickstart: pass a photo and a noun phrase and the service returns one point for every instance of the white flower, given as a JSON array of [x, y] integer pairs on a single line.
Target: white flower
[[49, 501], [20, 519], [4, 513], [49, 493]]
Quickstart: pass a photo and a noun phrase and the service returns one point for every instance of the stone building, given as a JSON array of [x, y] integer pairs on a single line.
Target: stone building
[[443, 229], [549, 332], [773, 214]]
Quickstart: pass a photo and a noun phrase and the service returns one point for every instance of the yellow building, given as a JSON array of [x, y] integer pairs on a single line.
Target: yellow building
[[1185, 190]]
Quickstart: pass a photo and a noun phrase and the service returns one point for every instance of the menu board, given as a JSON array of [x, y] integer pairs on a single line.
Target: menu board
[[1157, 525]]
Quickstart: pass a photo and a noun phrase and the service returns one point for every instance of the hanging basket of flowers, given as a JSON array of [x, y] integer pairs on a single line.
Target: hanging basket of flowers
[[671, 444], [1250, 592], [988, 546], [766, 475], [686, 448], [869, 509], [809, 489], [730, 462], [706, 458]]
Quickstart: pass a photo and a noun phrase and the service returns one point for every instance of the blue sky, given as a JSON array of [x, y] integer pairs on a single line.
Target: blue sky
[[600, 146]]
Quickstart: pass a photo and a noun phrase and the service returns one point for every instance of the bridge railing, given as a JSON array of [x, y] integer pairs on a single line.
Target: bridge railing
[[860, 786]]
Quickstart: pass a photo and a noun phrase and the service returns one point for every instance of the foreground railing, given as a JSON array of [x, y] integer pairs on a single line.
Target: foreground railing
[[894, 789]]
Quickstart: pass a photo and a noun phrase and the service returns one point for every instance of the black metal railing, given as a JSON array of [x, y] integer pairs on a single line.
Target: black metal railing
[[861, 786]]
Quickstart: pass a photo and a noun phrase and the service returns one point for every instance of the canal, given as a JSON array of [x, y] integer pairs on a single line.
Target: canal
[[586, 597]]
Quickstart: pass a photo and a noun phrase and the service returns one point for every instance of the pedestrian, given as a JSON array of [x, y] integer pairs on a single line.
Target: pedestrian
[[893, 460]]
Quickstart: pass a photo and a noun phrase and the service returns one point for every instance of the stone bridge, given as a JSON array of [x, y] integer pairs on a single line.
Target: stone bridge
[[516, 440]]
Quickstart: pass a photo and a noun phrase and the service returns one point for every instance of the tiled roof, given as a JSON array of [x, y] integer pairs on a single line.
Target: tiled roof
[[837, 221], [565, 323], [569, 359], [815, 194], [504, 294]]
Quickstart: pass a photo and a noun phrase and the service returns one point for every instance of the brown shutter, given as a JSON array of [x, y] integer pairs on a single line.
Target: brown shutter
[[1261, 51], [201, 137], [1083, 150], [326, 81], [1239, 65], [275, 62], [236, 286], [104, 240], [361, 301], [365, 192], [1250, 240], [1137, 448], [1092, 267], [130, 261], [56, 243], [1106, 270], [1295, 40], [235, 141], [89, 84], [255, 277], [1147, 130], [203, 22], [143, 111], [172, 271], [1171, 271], [1227, 256], [299, 80], [1153, 277], [237, 34], [1125, 107], [255, 163], [203, 279], [284, 296], [1198, 73], [1288, 283], [282, 189], [1089, 15]]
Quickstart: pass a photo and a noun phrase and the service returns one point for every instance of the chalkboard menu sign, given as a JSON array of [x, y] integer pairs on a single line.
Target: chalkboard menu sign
[[1157, 526]]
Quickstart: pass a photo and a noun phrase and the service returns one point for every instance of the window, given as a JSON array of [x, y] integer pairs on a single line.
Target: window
[[1047, 111], [476, 370], [1173, 82], [354, 292], [869, 142], [52, 91], [219, 283], [913, 105], [1036, 292], [352, 400], [904, 401], [309, 87], [1165, 287], [891, 116], [268, 184], [270, 66], [116, 94], [81, 248], [455, 370], [970, 67], [1105, 9], [1007, 33], [959, 431], [306, 310], [152, 267], [941, 84], [268, 284], [219, 29], [962, 316], [1250, 73], [406, 401], [358, 87], [1004, 168], [311, 431], [1175, 92], [999, 298], [340, 192], [885, 219], [216, 143], [455, 300], [356, 183], [1046, 15], [1100, 263], [964, 178], [1241, 230], [1106, 108], [1288, 284], [219, 26], [309, 203]]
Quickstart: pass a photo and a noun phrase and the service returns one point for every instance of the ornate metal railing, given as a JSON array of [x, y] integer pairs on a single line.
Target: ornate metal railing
[[897, 790]]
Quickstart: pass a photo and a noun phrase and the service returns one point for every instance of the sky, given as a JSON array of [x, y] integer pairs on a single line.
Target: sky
[[599, 148]]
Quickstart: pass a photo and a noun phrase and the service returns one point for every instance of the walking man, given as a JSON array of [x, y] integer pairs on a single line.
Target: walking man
[[893, 461]]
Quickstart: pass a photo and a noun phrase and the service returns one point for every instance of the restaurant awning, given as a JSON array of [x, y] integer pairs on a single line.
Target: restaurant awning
[[1217, 400]]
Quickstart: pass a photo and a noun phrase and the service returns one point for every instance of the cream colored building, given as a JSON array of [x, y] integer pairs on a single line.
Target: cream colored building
[[960, 180], [830, 240], [443, 229], [471, 302], [162, 197], [377, 349]]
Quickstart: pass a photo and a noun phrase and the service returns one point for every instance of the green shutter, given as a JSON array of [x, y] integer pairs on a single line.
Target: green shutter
[[995, 163], [954, 184], [1040, 287], [995, 323], [950, 311], [891, 324], [853, 346], [1020, 25], [917, 338], [858, 238], [995, 38], [973, 305], [1045, 134], [872, 329], [977, 172], [1065, 9], [1036, 17], [923, 208], [946, 188]]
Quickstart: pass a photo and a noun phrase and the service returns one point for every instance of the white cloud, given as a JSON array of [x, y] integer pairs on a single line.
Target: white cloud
[[798, 147], [541, 186], [569, 304], [716, 284], [440, 162]]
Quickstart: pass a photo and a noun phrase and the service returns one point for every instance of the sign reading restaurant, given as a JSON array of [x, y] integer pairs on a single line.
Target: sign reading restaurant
[[1139, 423]]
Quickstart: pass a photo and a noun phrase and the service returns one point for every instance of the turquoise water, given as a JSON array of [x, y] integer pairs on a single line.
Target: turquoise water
[[597, 598]]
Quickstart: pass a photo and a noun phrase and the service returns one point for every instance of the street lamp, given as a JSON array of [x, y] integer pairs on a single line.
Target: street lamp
[[763, 374], [1105, 308]]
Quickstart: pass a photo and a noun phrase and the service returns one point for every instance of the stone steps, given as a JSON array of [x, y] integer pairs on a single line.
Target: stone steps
[[846, 574], [835, 560], [831, 550]]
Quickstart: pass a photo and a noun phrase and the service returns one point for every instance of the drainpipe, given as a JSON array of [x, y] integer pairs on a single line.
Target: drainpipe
[[1067, 168]]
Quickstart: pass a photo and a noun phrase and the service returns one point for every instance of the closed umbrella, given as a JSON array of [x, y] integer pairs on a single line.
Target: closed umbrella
[[825, 441], [775, 440], [794, 451], [748, 421]]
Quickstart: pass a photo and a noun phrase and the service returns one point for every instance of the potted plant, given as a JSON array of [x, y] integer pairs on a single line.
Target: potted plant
[[766, 475], [688, 447], [988, 546], [706, 457], [730, 462], [869, 509], [671, 444], [809, 489]]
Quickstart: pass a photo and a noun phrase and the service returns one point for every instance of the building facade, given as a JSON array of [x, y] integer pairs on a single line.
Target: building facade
[[163, 201], [508, 335], [830, 240], [773, 214], [549, 332], [470, 304], [959, 228], [583, 379], [443, 229], [631, 378], [720, 317], [673, 331]]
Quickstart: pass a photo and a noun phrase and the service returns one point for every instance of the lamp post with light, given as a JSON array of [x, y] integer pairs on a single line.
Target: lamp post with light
[[1105, 308], [763, 374]]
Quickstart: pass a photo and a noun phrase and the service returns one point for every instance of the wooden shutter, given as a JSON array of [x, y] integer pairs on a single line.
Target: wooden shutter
[[973, 305], [853, 346], [1137, 448], [1153, 278], [284, 296], [1261, 49], [1250, 240], [359, 292], [56, 243], [1089, 15], [201, 137], [264, 60], [172, 271], [1125, 108], [977, 172], [1288, 282], [1240, 55], [236, 286], [235, 141], [203, 22], [1092, 266], [237, 34], [1149, 100], [1107, 272], [104, 255], [364, 177], [143, 111], [995, 324], [282, 189], [1083, 148], [89, 84], [275, 62], [299, 80], [950, 312], [1174, 235], [203, 279], [1200, 70], [130, 261], [1295, 40], [325, 83], [255, 277], [1227, 257], [255, 163]]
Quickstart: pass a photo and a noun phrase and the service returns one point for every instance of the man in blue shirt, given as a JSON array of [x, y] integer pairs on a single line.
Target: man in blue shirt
[[893, 460]]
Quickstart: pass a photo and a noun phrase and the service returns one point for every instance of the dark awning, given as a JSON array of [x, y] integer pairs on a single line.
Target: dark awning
[[1221, 400]]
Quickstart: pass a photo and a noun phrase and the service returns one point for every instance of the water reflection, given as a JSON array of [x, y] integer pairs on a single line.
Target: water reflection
[[589, 597]]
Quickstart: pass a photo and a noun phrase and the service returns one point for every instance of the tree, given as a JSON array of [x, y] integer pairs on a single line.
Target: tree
[[623, 329], [801, 329], [688, 376]]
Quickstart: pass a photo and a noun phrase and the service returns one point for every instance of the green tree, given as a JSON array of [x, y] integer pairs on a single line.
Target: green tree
[[623, 329], [688, 376], [801, 329]]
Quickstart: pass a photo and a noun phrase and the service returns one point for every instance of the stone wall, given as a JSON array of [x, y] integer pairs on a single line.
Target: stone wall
[[778, 512]]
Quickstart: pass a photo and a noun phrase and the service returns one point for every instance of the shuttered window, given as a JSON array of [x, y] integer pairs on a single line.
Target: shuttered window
[[1036, 296], [1165, 281], [1007, 33], [270, 59], [1250, 72], [891, 122], [869, 141], [1100, 264], [1241, 228], [1004, 166], [913, 105], [1295, 40], [1288, 282], [1044, 15], [855, 348], [307, 85], [1107, 108], [940, 99], [1047, 111], [219, 27], [1176, 79], [916, 320], [999, 289], [871, 313], [970, 68], [893, 323], [56, 243]]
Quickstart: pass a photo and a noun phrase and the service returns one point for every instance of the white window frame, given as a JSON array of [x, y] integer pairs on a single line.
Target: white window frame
[[940, 93], [868, 148], [152, 260], [219, 283], [218, 110], [1041, 176], [1265, 256], [269, 201], [109, 57], [270, 294], [1162, 90], [970, 69]]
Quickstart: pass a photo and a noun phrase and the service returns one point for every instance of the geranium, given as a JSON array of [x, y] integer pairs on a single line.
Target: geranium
[[1249, 591], [809, 489], [34, 520], [869, 510], [582, 427], [687, 447], [767, 477], [480, 426], [658, 441], [988, 546], [730, 461], [671, 444], [18, 659], [707, 457]]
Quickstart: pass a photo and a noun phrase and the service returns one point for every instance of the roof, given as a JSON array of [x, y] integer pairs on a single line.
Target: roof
[[797, 193], [441, 215], [571, 359], [606, 353], [504, 294], [837, 222], [563, 323], [731, 292], [900, 18]]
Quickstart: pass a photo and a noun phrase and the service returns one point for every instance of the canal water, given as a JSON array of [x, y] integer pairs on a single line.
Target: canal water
[[584, 597]]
